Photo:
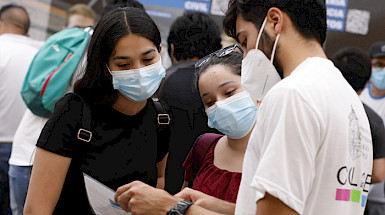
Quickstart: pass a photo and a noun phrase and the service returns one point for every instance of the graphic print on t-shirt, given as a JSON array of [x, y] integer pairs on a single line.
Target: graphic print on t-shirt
[[356, 147], [346, 175]]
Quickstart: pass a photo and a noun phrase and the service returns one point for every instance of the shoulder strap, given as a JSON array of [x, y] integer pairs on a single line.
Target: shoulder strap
[[200, 149], [163, 117], [163, 120], [85, 133]]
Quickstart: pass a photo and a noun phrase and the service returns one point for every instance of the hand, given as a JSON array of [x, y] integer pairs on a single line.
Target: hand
[[206, 201], [140, 198]]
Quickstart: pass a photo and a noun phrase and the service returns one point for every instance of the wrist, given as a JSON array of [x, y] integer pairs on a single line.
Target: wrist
[[179, 208], [171, 202]]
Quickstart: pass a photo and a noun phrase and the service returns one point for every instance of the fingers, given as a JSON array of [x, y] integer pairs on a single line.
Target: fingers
[[125, 193], [187, 194]]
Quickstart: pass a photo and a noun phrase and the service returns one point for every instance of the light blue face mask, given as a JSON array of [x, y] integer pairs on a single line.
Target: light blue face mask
[[378, 78], [234, 116], [138, 84]]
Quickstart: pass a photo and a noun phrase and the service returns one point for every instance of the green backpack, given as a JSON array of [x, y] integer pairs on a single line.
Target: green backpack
[[51, 69]]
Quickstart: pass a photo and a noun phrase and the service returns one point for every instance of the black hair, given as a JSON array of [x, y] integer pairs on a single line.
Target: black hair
[[233, 60], [194, 35], [355, 65], [22, 23], [96, 84], [308, 16], [120, 4]]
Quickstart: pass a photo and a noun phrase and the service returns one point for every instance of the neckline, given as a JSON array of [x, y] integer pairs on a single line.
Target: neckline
[[212, 157], [370, 93]]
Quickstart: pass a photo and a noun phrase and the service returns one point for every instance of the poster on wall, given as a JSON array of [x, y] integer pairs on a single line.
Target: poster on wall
[[336, 14], [219, 7], [191, 5]]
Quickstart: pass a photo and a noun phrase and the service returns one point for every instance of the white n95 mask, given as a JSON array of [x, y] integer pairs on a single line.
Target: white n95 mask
[[258, 72]]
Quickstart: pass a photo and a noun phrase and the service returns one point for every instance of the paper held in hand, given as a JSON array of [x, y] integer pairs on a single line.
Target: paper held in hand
[[101, 198]]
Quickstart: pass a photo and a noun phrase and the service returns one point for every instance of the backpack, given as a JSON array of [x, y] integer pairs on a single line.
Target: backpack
[[199, 150], [51, 69]]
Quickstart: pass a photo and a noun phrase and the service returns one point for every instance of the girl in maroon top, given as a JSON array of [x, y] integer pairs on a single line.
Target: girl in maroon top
[[230, 110]]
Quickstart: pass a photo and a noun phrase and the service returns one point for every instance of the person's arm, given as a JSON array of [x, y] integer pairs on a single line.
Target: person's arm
[[378, 173], [161, 169], [47, 179], [207, 202], [142, 199], [196, 210], [271, 205]]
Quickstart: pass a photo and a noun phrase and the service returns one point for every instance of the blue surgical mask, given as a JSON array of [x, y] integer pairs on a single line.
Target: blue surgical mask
[[378, 78], [138, 84], [234, 116]]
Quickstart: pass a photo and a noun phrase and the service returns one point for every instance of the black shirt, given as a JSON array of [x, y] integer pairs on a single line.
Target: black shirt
[[123, 148], [378, 133]]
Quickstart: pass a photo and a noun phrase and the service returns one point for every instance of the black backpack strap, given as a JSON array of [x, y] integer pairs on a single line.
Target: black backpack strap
[[163, 122], [163, 117], [84, 132]]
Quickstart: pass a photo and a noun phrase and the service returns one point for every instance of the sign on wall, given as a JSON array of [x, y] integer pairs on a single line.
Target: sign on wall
[[192, 5], [336, 14]]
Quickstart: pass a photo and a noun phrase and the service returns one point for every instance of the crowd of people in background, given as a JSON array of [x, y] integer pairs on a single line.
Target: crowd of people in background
[[266, 124]]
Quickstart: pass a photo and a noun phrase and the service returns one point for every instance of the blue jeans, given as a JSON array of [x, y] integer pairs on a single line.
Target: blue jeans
[[18, 186], [5, 152]]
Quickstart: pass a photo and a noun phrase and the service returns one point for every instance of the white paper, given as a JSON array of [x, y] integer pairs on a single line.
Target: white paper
[[101, 198]]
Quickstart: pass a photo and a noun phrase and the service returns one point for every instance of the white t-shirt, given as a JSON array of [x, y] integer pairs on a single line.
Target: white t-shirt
[[311, 146], [377, 104], [16, 53], [24, 142], [376, 192], [28, 132]]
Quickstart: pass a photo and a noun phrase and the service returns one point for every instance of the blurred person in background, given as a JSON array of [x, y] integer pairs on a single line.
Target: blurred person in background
[[29, 129], [374, 96], [192, 36], [16, 53], [120, 4], [81, 16]]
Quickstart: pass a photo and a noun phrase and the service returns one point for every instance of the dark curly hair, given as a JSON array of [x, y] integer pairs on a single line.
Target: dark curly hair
[[193, 35]]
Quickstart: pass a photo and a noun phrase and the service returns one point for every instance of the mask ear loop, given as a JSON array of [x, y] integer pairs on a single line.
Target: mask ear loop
[[108, 69], [274, 48], [260, 33]]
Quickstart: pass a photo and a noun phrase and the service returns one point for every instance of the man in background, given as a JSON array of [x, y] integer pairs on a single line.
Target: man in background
[[16, 53], [192, 36], [80, 15], [374, 96]]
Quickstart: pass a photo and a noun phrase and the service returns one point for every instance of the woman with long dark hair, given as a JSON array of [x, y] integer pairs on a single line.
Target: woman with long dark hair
[[109, 128]]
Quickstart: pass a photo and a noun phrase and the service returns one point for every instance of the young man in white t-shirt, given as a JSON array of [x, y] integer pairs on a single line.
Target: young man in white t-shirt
[[310, 151], [374, 96]]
